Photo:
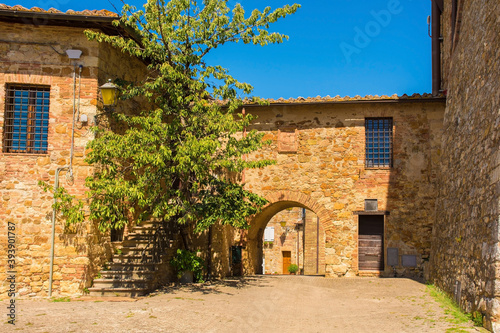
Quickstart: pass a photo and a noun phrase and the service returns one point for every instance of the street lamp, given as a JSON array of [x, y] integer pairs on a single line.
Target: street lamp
[[109, 93]]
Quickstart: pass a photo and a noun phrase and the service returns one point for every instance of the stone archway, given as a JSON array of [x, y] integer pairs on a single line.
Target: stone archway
[[278, 201]]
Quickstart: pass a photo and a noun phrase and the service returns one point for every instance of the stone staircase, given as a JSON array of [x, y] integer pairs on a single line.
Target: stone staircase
[[137, 268]]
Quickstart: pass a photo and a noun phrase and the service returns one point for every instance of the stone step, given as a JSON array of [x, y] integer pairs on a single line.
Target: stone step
[[118, 292], [122, 283], [136, 243], [132, 258], [147, 225], [115, 266], [139, 274], [135, 251], [138, 236]]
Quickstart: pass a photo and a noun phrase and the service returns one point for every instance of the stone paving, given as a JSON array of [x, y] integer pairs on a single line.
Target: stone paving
[[250, 304]]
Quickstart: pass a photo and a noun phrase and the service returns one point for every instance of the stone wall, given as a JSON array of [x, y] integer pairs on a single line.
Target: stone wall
[[464, 258], [327, 175], [36, 55], [23, 201]]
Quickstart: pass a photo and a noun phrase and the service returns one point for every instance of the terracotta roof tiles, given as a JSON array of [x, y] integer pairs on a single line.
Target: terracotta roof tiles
[[328, 99], [102, 12]]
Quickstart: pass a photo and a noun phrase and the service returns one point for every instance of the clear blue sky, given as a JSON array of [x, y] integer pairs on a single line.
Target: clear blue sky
[[336, 47]]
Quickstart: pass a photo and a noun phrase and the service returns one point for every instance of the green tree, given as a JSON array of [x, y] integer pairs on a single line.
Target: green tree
[[174, 159]]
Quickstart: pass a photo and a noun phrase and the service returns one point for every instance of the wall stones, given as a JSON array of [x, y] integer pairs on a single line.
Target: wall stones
[[78, 253], [329, 169], [465, 236]]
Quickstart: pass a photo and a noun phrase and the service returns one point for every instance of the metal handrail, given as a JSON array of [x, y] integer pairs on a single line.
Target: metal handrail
[[158, 243]]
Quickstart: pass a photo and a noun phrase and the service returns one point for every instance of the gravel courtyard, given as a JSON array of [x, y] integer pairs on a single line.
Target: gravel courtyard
[[251, 304]]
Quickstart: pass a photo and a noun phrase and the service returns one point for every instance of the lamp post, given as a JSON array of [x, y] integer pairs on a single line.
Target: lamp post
[[109, 93]]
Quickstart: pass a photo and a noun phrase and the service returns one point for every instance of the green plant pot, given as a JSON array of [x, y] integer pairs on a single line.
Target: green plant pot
[[186, 277]]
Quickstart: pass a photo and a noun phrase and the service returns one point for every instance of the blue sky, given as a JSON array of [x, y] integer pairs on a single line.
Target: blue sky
[[336, 47]]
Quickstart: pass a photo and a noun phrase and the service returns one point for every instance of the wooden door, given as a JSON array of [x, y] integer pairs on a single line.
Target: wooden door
[[287, 261], [371, 243]]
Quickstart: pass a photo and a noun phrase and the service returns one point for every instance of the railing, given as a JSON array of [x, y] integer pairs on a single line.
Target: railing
[[158, 243]]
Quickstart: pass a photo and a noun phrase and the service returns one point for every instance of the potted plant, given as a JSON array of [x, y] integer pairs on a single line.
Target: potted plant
[[292, 269], [188, 265]]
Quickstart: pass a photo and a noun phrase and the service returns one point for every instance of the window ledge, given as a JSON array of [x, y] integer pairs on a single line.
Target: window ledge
[[371, 212], [379, 168], [25, 154]]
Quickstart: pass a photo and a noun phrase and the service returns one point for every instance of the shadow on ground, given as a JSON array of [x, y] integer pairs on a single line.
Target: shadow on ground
[[214, 287]]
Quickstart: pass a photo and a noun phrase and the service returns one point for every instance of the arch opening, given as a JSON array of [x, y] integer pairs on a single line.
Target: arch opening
[[286, 232]]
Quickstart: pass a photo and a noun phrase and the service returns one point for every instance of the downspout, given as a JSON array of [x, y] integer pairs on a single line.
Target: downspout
[[317, 245], [56, 186], [73, 123], [436, 48], [304, 242], [58, 170]]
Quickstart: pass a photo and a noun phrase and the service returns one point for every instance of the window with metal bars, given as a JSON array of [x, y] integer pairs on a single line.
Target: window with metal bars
[[26, 123], [378, 142]]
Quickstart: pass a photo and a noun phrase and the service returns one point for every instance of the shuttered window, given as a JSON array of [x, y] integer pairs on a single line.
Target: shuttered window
[[269, 234], [26, 119]]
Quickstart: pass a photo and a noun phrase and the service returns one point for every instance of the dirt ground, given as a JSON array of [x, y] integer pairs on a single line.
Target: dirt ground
[[251, 304]]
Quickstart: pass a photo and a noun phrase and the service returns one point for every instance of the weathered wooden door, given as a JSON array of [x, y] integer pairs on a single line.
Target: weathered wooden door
[[287, 261], [371, 243]]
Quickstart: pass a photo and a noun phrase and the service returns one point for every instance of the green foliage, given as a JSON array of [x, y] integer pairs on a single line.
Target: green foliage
[[66, 204], [176, 159], [452, 309], [477, 318], [293, 268], [61, 299], [188, 261]]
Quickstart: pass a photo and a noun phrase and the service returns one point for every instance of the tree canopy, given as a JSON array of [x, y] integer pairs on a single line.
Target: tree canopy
[[174, 159]]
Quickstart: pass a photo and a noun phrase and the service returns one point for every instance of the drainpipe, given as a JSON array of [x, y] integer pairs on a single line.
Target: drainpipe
[[72, 54], [436, 48], [317, 245], [56, 186], [74, 114]]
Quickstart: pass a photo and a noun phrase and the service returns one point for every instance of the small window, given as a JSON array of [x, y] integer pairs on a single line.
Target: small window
[[378, 142], [26, 123]]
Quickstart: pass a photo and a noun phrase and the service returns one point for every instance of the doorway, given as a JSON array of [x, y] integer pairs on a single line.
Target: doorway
[[287, 261], [371, 243]]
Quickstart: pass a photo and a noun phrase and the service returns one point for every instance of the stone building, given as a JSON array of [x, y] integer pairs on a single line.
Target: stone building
[[42, 89], [365, 166], [405, 185]]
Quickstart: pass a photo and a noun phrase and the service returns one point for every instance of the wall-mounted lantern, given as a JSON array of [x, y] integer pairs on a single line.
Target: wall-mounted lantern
[[109, 93], [284, 228]]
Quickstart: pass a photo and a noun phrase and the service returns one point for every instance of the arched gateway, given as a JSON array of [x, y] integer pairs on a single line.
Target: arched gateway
[[278, 201]]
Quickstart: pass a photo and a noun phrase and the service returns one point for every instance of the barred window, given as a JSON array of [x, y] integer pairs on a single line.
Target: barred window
[[26, 124], [378, 142]]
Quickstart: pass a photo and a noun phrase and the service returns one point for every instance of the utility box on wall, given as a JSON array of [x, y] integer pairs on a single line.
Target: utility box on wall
[[371, 205]]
